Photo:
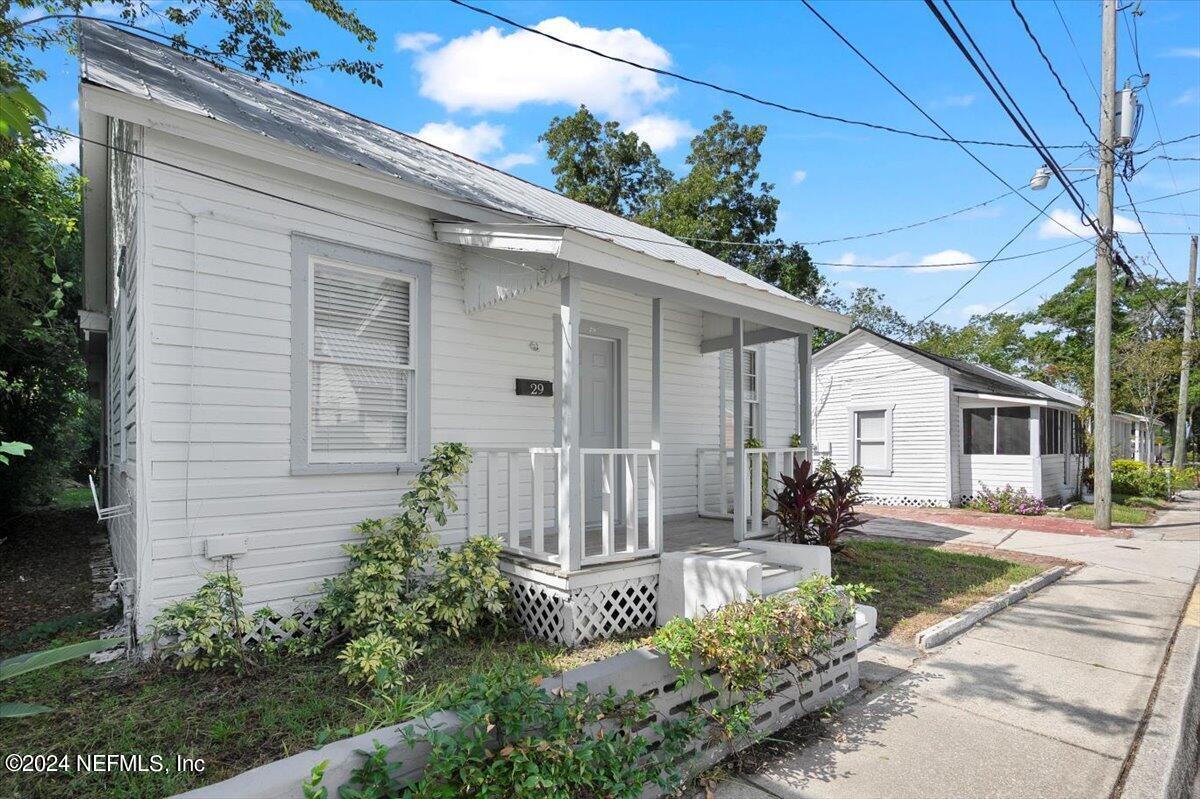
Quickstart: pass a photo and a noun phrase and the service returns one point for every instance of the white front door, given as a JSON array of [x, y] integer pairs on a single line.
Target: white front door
[[599, 409]]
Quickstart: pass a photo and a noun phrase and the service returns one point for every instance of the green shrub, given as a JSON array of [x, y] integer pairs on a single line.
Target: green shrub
[[208, 629], [748, 641], [517, 741], [1134, 478]]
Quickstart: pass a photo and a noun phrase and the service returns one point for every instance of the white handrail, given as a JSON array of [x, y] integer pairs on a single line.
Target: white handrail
[[777, 460], [623, 466], [506, 472], [111, 512]]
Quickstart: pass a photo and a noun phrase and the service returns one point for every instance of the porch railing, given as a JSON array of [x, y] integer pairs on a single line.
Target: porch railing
[[621, 473], [715, 474], [512, 493]]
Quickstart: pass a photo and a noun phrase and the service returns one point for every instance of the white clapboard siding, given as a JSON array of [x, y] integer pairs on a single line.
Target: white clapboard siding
[[219, 421], [780, 392], [876, 374], [993, 471]]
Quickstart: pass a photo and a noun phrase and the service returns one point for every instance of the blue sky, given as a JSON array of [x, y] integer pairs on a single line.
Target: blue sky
[[468, 83]]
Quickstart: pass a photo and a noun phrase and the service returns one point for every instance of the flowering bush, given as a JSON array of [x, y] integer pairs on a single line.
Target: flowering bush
[[1007, 500]]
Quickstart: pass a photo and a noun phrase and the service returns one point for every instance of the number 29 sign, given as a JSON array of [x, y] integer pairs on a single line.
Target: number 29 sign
[[534, 388]]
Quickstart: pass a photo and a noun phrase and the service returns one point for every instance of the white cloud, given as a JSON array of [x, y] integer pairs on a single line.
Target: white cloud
[[1183, 52], [799, 176], [417, 42], [1064, 224], [489, 70], [660, 131], [66, 152], [946, 261], [974, 309], [954, 101], [473, 142], [1189, 97], [512, 160], [482, 141], [850, 260]]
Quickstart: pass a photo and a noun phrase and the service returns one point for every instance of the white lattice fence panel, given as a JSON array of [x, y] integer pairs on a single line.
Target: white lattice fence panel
[[905, 502], [601, 611], [539, 609]]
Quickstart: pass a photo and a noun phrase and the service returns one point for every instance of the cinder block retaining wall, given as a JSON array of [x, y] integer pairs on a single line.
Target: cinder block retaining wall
[[643, 671]]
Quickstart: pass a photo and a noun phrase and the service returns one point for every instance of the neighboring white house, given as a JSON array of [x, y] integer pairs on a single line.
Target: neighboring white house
[[288, 305], [931, 430], [1133, 438]]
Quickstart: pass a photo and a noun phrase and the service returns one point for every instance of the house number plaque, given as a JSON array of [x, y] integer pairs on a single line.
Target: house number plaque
[[534, 388]]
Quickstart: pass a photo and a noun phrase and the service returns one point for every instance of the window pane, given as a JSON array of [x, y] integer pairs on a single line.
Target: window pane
[[872, 455], [751, 420], [1012, 431], [359, 409], [360, 316], [871, 425], [978, 431]]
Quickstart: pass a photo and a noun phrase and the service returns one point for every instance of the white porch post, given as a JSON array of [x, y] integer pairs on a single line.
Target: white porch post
[[656, 421], [570, 461], [804, 391], [739, 434], [1035, 449]]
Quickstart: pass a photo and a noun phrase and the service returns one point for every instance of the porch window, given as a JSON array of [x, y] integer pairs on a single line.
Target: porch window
[[996, 431], [751, 379], [360, 402], [1054, 432]]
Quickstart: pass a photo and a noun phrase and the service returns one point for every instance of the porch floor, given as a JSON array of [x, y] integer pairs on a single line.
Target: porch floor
[[683, 532]]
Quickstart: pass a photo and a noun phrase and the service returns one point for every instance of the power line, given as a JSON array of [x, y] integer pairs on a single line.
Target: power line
[[962, 144], [1142, 225], [1050, 66], [744, 95], [994, 258], [1016, 297], [1075, 47], [426, 239], [1165, 196], [1024, 127], [1170, 213]]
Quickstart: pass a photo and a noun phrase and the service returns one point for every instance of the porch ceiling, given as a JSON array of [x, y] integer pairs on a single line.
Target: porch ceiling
[[565, 250]]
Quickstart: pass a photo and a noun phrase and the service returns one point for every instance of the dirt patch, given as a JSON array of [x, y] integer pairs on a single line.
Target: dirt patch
[[45, 570]]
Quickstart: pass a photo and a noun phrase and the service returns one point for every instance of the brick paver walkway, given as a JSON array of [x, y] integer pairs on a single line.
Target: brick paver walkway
[[999, 521]]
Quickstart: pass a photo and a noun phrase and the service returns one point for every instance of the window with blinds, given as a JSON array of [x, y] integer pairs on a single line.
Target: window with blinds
[[361, 371], [750, 395], [870, 440]]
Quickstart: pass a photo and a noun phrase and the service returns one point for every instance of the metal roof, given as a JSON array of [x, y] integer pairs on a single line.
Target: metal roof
[[134, 65]]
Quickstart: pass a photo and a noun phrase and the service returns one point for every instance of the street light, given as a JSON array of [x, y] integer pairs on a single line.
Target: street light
[[1041, 177]]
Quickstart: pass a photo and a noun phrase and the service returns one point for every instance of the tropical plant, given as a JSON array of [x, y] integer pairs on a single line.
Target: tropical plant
[[795, 503], [208, 629], [14, 449], [837, 510], [23, 664]]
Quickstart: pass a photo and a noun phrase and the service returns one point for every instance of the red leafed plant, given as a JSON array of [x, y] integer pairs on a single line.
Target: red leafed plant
[[796, 503], [837, 511]]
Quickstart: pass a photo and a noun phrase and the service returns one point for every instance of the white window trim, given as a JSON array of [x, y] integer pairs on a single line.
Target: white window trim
[[1034, 447], [852, 436], [307, 253]]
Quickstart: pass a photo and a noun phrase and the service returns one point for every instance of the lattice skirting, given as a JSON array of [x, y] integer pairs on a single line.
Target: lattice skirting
[[579, 615], [905, 502]]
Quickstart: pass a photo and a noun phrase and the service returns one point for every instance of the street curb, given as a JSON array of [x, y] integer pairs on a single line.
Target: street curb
[[946, 629], [1167, 751]]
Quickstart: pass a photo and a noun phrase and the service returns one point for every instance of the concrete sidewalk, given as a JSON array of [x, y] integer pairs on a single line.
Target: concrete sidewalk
[[1043, 699]]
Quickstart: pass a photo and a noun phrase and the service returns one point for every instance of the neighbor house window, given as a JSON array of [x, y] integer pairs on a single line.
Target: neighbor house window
[[361, 397], [870, 445], [996, 431], [1057, 432]]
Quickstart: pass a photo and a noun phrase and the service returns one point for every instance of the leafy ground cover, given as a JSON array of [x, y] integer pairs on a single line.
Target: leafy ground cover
[[919, 585], [235, 723]]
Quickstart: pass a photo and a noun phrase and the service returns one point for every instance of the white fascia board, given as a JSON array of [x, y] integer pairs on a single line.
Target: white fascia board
[[1010, 400], [698, 289], [544, 239], [827, 352]]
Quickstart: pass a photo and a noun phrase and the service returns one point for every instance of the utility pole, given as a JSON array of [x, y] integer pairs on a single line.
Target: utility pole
[[1102, 400], [1181, 415]]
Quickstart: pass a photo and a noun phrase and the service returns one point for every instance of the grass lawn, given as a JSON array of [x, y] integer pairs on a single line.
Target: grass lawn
[[233, 723], [921, 585], [1122, 513]]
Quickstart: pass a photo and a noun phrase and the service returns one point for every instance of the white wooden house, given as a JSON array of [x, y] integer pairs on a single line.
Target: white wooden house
[[295, 303], [931, 430]]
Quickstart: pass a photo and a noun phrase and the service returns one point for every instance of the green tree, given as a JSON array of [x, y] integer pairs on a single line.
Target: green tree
[[603, 166], [996, 340], [251, 35], [1146, 375], [43, 398], [720, 205]]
